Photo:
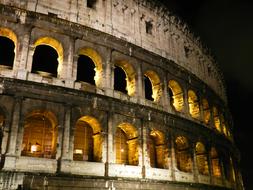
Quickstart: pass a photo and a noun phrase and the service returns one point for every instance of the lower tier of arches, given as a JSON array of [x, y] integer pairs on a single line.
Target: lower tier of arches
[[47, 130]]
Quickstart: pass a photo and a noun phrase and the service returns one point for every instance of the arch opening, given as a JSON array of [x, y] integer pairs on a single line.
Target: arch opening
[[86, 70], [7, 49], [148, 89], [193, 104], [216, 119], [124, 80], [87, 140], [215, 161], [152, 77], [157, 150], [40, 135], [183, 154], [45, 61], [176, 95], [126, 145], [120, 83], [202, 159], [206, 111]]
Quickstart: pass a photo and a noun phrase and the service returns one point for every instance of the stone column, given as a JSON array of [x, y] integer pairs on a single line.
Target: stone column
[[201, 109], [31, 50], [173, 158], [139, 87], [110, 154], [165, 95], [186, 104], [24, 49], [109, 75], [11, 153], [195, 165], [66, 135], [11, 150], [70, 65]]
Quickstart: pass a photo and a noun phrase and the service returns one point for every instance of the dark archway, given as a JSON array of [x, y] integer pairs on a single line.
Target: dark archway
[[148, 89], [45, 61], [85, 70], [120, 80], [7, 49]]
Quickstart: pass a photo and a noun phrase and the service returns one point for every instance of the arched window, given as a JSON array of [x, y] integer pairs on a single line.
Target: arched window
[[126, 145], [153, 89], [183, 154], [206, 111], [228, 168], [7, 48], [8, 43], [193, 104], [223, 125], [157, 150], [120, 80], [47, 57], [215, 161], [201, 158], [216, 119], [87, 140], [40, 135], [85, 70], [45, 61], [148, 89], [124, 77], [89, 66], [121, 147], [176, 95]]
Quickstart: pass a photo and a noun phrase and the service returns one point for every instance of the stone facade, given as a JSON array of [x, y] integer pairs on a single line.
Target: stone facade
[[144, 41]]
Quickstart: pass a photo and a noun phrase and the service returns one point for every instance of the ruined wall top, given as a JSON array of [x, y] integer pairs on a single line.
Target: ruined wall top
[[144, 23]]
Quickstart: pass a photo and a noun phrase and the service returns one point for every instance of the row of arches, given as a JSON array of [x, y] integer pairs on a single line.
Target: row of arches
[[48, 60], [40, 133]]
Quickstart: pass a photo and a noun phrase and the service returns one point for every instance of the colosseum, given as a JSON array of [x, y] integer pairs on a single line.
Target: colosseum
[[110, 95]]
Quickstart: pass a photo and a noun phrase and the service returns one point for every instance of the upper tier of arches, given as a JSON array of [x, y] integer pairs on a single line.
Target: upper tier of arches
[[145, 23], [89, 70]]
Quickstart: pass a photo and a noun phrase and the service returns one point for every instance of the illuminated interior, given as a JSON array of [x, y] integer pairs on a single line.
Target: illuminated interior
[[129, 78], [126, 145], [94, 58], [52, 47], [176, 95], [193, 104], [216, 119], [201, 158], [223, 125], [8, 41], [157, 150], [87, 140], [206, 111], [215, 161], [183, 154], [40, 135], [156, 85]]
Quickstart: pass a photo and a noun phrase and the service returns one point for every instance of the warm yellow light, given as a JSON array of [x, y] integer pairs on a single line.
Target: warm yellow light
[[156, 85], [34, 148], [78, 151]]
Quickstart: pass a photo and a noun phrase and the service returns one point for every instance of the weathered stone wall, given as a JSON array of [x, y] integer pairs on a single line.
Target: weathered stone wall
[[169, 38]]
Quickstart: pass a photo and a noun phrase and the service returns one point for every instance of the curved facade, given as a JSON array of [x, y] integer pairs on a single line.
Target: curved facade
[[110, 95]]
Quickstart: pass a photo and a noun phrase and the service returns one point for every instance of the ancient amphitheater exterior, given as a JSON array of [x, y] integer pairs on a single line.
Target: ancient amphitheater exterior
[[110, 94]]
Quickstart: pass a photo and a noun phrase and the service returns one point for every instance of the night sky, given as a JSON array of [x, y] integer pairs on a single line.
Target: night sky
[[226, 27]]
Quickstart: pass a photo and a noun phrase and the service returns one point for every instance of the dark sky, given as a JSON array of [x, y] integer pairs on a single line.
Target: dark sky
[[226, 27]]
